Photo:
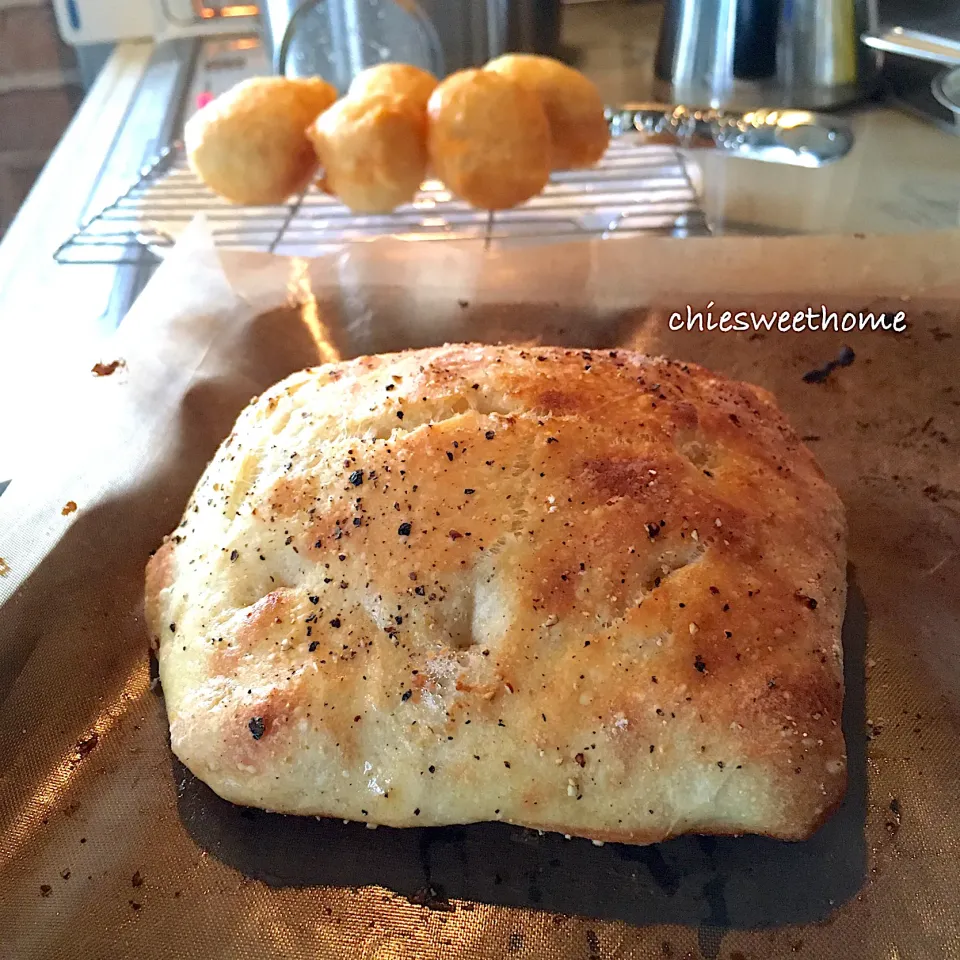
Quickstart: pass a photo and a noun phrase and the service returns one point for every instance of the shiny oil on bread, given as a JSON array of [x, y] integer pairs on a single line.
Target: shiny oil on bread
[[584, 591]]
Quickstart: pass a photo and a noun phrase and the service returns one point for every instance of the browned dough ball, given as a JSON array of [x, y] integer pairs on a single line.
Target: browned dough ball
[[373, 151], [488, 139], [398, 79], [250, 144], [578, 127]]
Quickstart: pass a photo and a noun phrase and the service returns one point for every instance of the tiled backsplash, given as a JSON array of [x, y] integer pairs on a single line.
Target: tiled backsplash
[[39, 92]]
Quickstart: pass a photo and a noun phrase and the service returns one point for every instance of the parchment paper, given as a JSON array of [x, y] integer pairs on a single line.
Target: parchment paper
[[110, 849]]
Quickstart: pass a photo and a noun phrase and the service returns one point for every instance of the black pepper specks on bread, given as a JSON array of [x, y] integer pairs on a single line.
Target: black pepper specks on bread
[[585, 591]]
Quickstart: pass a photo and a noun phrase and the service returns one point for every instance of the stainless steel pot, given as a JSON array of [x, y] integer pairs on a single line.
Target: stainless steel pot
[[946, 90], [335, 39], [765, 53]]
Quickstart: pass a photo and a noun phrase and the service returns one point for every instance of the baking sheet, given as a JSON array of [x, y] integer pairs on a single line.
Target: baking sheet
[[109, 848]]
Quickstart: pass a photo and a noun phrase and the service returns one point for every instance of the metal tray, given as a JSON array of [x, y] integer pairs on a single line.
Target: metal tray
[[112, 851]]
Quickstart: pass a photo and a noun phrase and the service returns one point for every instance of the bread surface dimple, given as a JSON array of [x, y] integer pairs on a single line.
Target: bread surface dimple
[[589, 591]]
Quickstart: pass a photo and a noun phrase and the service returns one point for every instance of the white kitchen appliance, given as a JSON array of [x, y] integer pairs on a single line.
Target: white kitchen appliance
[[333, 39], [108, 21]]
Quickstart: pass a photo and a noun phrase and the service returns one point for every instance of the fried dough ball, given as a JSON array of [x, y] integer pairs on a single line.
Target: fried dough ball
[[250, 144], [314, 94], [578, 128], [373, 151], [488, 139], [399, 79]]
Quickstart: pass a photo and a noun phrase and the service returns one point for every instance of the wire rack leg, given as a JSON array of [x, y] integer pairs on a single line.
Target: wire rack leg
[[291, 213]]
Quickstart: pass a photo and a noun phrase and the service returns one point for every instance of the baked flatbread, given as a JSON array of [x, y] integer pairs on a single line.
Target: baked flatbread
[[589, 592]]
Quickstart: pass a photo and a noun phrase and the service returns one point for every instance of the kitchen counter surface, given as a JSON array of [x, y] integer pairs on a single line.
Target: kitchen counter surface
[[54, 318], [901, 176]]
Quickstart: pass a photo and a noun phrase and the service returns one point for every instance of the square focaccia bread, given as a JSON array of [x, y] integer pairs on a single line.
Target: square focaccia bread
[[591, 592]]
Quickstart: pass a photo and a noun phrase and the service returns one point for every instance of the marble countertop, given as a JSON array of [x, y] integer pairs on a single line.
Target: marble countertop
[[902, 175]]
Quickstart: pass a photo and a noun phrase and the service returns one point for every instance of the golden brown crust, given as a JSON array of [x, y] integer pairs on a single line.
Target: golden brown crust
[[578, 127], [250, 145], [395, 79], [372, 150], [488, 139], [581, 591]]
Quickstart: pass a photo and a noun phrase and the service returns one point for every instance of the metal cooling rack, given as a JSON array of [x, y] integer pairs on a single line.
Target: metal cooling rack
[[637, 188]]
